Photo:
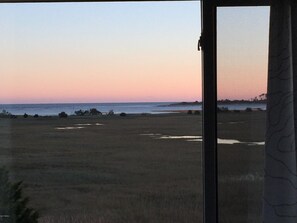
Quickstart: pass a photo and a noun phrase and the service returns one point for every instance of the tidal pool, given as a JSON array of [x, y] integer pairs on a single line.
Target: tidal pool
[[69, 128], [199, 139]]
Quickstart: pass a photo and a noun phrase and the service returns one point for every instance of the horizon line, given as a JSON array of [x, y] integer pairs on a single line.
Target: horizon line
[[118, 102]]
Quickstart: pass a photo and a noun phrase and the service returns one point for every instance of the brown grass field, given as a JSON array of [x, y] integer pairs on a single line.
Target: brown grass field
[[118, 173]]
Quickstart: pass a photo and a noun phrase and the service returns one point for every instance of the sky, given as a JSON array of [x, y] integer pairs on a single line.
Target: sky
[[243, 37], [125, 52]]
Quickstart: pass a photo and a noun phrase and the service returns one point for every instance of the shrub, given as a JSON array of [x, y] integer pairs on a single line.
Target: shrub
[[26, 115], [13, 204], [5, 113], [94, 111], [248, 110], [110, 112], [123, 114], [79, 113], [36, 116], [189, 112], [86, 112], [63, 115]]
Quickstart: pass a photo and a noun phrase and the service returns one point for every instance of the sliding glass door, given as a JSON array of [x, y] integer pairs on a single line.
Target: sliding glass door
[[235, 66], [242, 37]]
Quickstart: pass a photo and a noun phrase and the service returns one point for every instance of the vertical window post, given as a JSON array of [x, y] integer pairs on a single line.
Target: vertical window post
[[209, 72]]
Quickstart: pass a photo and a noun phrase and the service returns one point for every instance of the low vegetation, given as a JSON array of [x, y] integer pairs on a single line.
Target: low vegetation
[[123, 114], [6, 114], [222, 109], [92, 111], [117, 173], [63, 115], [13, 205], [110, 113], [248, 109]]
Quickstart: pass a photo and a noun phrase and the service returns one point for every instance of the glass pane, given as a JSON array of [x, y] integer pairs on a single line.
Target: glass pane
[[242, 74], [91, 116]]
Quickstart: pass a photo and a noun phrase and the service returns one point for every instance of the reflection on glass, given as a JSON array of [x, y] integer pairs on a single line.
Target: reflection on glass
[[242, 74]]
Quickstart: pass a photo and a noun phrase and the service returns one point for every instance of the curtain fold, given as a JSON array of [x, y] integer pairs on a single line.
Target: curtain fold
[[280, 186]]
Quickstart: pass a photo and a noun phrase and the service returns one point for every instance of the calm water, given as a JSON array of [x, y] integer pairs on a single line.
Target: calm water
[[129, 108]]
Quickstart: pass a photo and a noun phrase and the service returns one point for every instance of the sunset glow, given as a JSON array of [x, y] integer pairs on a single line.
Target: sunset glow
[[122, 52], [242, 52]]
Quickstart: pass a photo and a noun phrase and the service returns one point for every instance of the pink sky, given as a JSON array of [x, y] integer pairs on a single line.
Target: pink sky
[[242, 52], [116, 77], [108, 54]]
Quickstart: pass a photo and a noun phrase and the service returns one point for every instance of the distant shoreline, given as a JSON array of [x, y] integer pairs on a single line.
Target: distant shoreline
[[132, 108], [220, 102]]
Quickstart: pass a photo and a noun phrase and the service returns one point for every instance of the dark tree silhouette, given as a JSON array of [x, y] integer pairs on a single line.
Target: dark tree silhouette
[[13, 205], [63, 115]]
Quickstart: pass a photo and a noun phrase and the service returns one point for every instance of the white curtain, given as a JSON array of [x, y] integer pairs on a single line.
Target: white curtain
[[280, 187]]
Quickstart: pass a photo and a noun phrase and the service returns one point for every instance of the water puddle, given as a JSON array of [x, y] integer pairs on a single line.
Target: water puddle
[[256, 143], [69, 128], [150, 134], [180, 137], [220, 141], [78, 126], [228, 141], [195, 140], [86, 124], [199, 139]]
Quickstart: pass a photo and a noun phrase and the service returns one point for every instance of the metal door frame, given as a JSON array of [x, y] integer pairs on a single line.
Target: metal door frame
[[209, 72]]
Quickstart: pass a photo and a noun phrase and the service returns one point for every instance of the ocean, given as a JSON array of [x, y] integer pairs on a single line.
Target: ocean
[[129, 108]]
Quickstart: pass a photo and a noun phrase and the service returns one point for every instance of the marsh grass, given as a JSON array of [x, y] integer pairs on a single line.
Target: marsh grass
[[241, 168], [145, 208], [114, 173]]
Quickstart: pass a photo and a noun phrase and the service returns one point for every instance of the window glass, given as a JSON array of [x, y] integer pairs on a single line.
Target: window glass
[[242, 83], [92, 120]]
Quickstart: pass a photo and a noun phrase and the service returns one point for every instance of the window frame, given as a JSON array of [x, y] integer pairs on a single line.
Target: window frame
[[209, 90], [209, 74]]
